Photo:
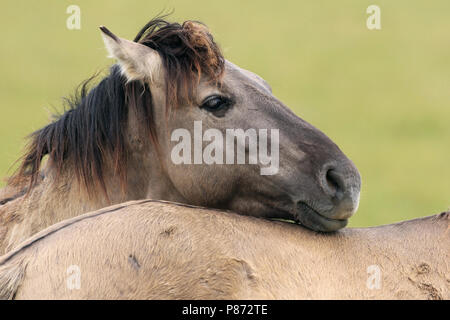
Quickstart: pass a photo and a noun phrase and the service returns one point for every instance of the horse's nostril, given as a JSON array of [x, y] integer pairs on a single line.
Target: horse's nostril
[[341, 186], [335, 183]]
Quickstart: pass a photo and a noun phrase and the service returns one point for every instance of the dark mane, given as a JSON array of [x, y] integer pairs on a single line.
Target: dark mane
[[188, 51], [92, 130]]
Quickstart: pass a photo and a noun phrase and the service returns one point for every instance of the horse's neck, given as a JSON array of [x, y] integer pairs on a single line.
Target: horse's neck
[[50, 202], [46, 204]]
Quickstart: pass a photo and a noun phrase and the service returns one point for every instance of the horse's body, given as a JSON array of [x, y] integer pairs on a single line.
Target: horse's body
[[155, 250], [114, 144]]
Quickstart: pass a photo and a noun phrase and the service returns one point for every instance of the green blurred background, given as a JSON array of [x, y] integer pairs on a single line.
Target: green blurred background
[[382, 96]]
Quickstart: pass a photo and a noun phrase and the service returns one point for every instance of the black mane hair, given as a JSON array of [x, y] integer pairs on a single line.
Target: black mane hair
[[92, 129]]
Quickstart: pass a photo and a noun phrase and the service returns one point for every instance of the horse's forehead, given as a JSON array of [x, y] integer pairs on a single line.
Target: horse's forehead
[[237, 74]]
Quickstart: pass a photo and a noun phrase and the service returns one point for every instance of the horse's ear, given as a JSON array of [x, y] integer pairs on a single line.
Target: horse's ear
[[137, 62]]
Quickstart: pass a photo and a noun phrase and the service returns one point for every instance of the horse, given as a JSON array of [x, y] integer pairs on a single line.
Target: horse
[[115, 142], [152, 249]]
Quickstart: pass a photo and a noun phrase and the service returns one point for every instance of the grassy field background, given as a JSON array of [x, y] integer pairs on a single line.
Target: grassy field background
[[382, 96]]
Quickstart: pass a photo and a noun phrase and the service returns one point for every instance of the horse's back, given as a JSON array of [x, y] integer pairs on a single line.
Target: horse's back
[[157, 250], [140, 250]]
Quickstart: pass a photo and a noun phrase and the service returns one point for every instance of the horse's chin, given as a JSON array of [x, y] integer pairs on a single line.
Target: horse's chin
[[313, 220], [300, 213]]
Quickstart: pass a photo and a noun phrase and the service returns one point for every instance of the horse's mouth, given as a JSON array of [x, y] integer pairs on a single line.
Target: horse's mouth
[[312, 219]]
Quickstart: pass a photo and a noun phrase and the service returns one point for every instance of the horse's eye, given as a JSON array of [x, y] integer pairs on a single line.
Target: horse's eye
[[215, 103]]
